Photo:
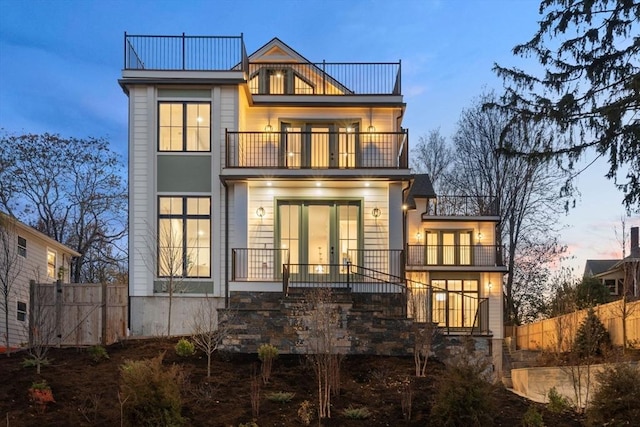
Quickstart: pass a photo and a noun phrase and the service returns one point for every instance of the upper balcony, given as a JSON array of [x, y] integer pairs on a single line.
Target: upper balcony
[[164, 59], [462, 206], [299, 150]]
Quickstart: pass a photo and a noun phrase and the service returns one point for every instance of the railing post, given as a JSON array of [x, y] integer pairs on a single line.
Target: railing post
[[183, 53], [125, 50], [348, 275], [324, 77]]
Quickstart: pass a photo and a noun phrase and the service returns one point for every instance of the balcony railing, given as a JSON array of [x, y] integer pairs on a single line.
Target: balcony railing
[[455, 255], [258, 264], [317, 150], [185, 53], [462, 206], [325, 78]]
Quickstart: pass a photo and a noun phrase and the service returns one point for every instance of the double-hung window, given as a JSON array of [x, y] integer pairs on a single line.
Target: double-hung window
[[184, 236], [51, 264], [184, 126], [22, 246]]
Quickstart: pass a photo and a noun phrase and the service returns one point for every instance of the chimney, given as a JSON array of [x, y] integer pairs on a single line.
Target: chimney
[[635, 246]]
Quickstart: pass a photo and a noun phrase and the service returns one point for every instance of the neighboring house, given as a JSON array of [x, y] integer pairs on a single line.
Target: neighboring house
[[619, 275], [267, 172], [27, 254]]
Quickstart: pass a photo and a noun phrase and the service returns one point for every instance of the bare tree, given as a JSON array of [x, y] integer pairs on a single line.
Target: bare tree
[[433, 156], [210, 328], [527, 190], [71, 189], [631, 269], [42, 322], [10, 268]]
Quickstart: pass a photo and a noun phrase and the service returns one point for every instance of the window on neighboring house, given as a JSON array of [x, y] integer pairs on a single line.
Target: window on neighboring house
[[613, 285], [22, 246], [184, 236], [184, 126], [51, 264], [21, 312]]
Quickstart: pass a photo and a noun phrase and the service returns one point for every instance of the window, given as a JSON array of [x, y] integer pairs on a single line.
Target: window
[[22, 311], [184, 126], [184, 237], [613, 285], [280, 81], [455, 302], [51, 264], [22, 246], [448, 247]]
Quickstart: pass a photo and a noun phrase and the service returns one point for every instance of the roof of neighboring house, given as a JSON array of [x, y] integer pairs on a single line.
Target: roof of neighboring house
[[421, 187], [22, 226], [594, 267]]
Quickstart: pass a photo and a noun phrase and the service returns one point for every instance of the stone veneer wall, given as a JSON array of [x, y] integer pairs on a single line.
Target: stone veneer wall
[[365, 325]]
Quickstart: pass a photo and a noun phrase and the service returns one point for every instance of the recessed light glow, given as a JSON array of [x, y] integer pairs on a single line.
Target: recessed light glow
[[269, 184], [366, 184], [318, 184]]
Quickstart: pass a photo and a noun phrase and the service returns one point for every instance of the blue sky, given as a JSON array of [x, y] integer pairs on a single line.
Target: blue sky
[[60, 61]]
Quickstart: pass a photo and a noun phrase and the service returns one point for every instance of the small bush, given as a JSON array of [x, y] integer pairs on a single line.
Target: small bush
[[532, 418], [280, 396], [557, 402], [267, 353], [98, 353], [248, 424], [33, 362], [463, 396], [615, 401], [354, 413], [185, 348], [305, 412], [152, 391]]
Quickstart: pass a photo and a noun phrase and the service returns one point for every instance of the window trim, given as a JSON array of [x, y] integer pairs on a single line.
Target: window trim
[[55, 264], [184, 126], [184, 217], [22, 247], [21, 312]]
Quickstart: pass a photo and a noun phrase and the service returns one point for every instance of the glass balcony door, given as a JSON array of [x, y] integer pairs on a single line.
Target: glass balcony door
[[319, 145]]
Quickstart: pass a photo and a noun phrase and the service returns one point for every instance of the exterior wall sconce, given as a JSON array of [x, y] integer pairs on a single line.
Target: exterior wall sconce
[[260, 212], [489, 287], [268, 128], [371, 128], [376, 212], [480, 236], [418, 237]]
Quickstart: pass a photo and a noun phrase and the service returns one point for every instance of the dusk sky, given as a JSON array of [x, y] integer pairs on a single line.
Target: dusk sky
[[60, 61]]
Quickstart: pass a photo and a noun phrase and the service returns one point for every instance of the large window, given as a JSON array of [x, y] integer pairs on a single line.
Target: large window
[[446, 247], [184, 126], [455, 302], [279, 81], [184, 237]]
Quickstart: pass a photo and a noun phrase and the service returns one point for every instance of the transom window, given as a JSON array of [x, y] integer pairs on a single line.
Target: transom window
[[22, 246], [280, 81], [184, 237], [184, 126]]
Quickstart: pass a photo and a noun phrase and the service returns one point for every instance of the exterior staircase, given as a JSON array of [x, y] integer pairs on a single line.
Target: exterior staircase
[[515, 359]]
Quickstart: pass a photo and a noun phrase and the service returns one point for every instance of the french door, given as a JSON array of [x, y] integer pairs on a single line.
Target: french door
[[321, 236], [319, 145]]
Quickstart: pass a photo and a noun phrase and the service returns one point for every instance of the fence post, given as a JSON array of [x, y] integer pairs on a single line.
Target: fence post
[[104, 318], [32, 305], [58, 302]]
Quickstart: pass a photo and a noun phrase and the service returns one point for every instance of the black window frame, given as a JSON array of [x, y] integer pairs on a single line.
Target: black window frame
[[184, 126]]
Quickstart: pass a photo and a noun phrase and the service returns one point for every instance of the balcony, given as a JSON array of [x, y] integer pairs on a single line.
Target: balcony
[[462, 206], [454, 256], [317, 150]]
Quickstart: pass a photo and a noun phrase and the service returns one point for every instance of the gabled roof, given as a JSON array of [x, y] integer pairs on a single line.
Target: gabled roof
[[594, 267], [421, 188], [24, 227]]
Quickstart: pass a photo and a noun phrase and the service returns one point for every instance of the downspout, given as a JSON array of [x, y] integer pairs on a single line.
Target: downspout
[[226, 244]]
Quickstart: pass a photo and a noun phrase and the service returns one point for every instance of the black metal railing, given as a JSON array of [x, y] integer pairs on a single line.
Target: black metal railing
[[454, 255], [185, 53], [325, 78], [251, 264], [317, 150], [446, 205]]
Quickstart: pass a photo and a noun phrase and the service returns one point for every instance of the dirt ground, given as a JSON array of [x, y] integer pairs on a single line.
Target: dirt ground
[[86, 393]]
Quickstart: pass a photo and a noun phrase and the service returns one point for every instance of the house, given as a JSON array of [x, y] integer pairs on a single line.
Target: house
[[26, 254], [619, 275], [266, 173]]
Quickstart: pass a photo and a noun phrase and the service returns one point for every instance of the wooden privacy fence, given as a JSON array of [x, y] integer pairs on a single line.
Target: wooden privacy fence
[[78, 314], [559, 332]]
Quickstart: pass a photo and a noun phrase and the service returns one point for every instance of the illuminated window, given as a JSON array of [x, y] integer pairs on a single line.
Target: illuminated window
[[51, 264], [184, 126], [455, 302], [184, 237], [448, 247]]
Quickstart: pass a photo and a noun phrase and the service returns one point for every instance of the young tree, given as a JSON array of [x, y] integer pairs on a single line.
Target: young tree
[[525, 189], [10, 267], [588, 89], [71, 189], [433, 156], [210, 328]]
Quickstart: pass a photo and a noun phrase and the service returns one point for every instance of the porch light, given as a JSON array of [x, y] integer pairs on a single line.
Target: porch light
[[371, 128], [480, 236], [489, 287], [418, 237], [260, 212], [376, 212], [268, 128]]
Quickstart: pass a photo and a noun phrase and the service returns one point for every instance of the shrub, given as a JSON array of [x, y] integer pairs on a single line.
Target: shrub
[[532, 418], [98, 353], [267, 353], [615, 401], [185, 348], [557, 402], [152, 392], [305, 412], [592, 337], [463, 396], [40, 393], [280, 396], [33, 362], [354, 413]]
